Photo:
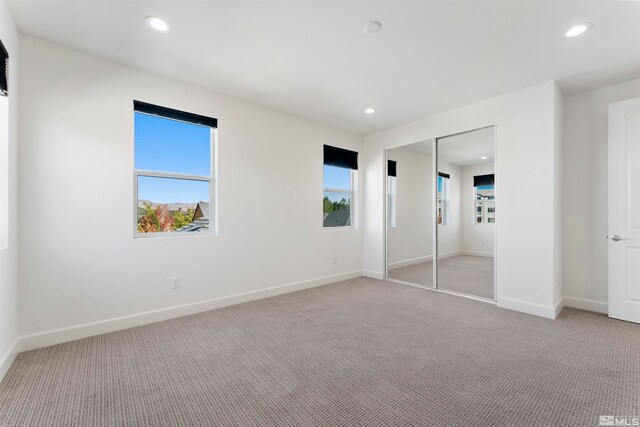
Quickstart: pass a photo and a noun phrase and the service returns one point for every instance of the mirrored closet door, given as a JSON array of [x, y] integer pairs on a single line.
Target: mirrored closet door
[[466, 213], [410, 213], [441, 213]]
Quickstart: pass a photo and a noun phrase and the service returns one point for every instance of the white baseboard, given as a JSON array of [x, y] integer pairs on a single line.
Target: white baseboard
[[526, 307], [476, 253], [57, 336], [412, 261], [8, 357], [559, 307], [373, 274], [408, 262], [449, 254], [586, 304], [418, 260]]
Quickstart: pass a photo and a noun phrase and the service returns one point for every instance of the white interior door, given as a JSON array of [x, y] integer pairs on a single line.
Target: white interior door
[[624, 210]]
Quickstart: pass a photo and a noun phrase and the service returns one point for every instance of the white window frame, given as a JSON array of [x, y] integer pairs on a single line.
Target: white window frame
[[353, 178], [212, 179], [445, 199], [392, 195]]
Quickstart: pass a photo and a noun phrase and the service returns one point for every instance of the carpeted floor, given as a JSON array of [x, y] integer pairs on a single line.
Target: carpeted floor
[[471, 275], [419, 274], [356, 353]]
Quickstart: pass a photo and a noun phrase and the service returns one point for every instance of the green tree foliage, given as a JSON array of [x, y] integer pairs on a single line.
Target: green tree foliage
[[155, 220], [329, 206], [180, 218], [148, 222]]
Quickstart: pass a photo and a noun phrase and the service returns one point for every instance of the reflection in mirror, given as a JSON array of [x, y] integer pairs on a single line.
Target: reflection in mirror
[[466, 213], [410, 213]]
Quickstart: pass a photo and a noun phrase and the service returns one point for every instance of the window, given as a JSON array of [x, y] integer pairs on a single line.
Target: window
[[391, 193], [4, 70], [339, 175], [4, 147], [173, 174], [484, 196], [443, 198]]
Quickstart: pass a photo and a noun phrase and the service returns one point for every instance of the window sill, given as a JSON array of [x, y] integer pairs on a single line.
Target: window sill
[[338, 228], [172, 235]]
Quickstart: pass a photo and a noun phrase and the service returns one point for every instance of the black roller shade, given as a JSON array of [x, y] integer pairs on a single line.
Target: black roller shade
[[169, 113], [444, 175], [391, 168], [483, 180], [339, 157], [4, 70]]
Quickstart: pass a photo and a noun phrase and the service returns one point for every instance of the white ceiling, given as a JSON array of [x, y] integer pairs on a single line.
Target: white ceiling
[[312, 58]]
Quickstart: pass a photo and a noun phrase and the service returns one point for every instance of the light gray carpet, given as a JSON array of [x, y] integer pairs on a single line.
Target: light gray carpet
[[471, 275], [419, 274], [355, 353]]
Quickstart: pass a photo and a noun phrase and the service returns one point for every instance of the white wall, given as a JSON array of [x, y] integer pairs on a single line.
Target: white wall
[[585, 193], [412, 238], [477, 239], [527, 252], [4, 170], [558, 176], [8, 193], [79, 260]]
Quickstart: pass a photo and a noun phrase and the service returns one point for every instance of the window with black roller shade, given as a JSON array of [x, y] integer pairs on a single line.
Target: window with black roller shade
[[339, 177]]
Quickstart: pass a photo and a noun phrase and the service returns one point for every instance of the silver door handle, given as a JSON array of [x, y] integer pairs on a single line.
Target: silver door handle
[[616, 238]]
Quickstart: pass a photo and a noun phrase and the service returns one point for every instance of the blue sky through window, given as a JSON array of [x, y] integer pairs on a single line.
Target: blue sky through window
[[168, 190], [171, 146], [166, 145], [337, 178], [440, 183]]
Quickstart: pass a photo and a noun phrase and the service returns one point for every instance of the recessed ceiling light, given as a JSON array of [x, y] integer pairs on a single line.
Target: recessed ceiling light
[[483, 158], [578, 29], [158, 24], [369, 110], [372, 27]]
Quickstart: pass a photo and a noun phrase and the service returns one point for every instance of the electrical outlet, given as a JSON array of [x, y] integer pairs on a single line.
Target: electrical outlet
[[175, 283], [335, 259]]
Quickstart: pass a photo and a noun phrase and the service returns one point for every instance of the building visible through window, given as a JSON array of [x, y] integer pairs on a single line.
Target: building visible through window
[[173, 171], [484, 194], [339, 177]]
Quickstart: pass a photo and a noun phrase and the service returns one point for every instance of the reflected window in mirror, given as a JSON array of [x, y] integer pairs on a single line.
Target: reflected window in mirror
[[4, 147], [485, 200], [443, 198], [391, 193]]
